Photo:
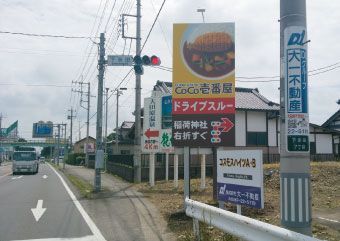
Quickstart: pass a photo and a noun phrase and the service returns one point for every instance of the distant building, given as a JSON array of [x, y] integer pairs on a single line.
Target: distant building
[[334, 123], [125, 139], [79, 146], [257, 126]]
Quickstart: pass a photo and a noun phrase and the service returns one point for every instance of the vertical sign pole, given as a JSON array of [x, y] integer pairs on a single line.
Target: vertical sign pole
[[203, 171], [99, 128], [176, 171], [294, 148], [150, 172], [137, 153], [186, 174], [167, 166]]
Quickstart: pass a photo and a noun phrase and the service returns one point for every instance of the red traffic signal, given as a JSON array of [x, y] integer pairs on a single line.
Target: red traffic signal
[[155, 60]]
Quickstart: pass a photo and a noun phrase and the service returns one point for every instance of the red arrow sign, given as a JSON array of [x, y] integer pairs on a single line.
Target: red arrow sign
[[149, 133], [227, 124]]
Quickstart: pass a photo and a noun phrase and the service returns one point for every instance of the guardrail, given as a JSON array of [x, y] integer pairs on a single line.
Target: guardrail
[[238, 225]]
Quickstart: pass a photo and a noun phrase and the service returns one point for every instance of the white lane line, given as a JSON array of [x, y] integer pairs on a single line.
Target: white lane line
[[334, 221], [96, 232], [86, 238], [16, 177]]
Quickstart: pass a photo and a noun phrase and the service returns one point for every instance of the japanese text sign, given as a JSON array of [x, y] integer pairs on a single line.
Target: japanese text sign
[[240, 177], [156, 133], [296, 82], [119, 60], [204, 83]]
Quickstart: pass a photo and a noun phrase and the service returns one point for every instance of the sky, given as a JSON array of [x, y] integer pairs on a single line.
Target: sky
[[38, 74]]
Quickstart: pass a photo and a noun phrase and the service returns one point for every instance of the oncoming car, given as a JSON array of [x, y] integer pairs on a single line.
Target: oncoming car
[[25, 161]]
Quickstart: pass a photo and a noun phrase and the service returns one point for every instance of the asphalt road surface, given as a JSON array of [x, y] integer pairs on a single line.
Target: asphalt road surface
[[41, 206]]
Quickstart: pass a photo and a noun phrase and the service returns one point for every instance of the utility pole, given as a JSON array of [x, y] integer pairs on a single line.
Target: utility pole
[[58, 145], [137, 153], [70, 117], [88, 93], [79, 131], [99, 128], [296, 214], [65, 146], [106, 111]]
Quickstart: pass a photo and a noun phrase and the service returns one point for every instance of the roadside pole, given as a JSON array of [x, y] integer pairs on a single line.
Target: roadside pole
[[58, 145], [295, 189], [87, 125], [70, 117], [176, 171], [65, 147], [99, 128], [186, 174], [137, 151]]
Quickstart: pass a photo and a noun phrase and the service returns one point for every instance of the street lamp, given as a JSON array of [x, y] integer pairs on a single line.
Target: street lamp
[[201, 10], [119, 92]]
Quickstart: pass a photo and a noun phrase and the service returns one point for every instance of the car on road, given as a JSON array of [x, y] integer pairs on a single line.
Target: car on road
[[25, 161], [42, 159]]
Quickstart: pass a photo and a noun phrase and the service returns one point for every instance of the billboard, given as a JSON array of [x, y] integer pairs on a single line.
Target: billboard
[[296, 94], [240, 177], [10, 133], [203, 85], [42, 129]]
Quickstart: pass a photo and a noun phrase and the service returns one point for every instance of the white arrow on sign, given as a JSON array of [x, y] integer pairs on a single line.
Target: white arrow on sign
[[45, 176], [38, 211], [16, 177]]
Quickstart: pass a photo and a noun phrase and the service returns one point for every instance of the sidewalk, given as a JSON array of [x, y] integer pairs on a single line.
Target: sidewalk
[[122, 213]]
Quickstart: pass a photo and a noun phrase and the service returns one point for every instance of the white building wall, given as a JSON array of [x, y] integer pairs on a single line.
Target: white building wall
[[272, 132], [240, 128], [324, 144], [256, 121]]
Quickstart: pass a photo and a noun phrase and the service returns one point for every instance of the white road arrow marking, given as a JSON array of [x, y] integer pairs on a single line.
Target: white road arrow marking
[[16, 177], [45, 176], [38, 211]]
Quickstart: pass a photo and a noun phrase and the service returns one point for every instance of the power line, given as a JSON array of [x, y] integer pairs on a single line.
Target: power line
[[160, 9], [46, 35]]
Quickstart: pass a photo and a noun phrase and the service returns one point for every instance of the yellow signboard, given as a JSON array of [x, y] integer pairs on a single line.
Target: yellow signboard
[[204, 60]]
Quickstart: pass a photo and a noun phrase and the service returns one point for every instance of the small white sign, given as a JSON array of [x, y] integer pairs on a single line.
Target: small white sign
[[119, 60], [240, 177]]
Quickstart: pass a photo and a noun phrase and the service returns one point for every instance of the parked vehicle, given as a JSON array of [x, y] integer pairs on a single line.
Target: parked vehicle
[[25, 161]]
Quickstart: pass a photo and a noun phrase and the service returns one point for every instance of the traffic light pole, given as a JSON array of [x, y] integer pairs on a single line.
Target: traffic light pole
[[295, 192], [99, 128], [137, 152]]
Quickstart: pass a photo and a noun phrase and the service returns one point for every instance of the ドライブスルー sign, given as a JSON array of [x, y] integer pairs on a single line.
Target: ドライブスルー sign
[[240, 177], [296, 82], [203, 104]]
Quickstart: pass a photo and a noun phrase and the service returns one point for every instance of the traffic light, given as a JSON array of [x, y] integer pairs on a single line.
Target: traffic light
[[138, 67], [155, 60], [145, 60]]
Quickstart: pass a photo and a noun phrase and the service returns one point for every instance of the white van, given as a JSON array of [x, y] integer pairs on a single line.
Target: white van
[[25, 161]]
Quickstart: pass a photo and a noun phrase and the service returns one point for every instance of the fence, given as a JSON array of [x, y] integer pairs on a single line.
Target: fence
[[123, 166], [238, 225]]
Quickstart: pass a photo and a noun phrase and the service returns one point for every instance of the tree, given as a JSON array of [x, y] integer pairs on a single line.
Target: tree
[[46, 151], [111, 136], [22, 139]]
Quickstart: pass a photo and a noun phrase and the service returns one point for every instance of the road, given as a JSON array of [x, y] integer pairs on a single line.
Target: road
[[41, 206]]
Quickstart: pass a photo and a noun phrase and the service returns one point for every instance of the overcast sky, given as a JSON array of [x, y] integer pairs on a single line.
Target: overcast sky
[[36, 73]]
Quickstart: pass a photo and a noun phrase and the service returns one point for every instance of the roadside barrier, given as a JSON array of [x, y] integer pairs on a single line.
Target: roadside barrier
[[238, 225]]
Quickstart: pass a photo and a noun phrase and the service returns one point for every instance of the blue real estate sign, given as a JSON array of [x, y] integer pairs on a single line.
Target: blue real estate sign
[[240, 177], [296, 81]]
